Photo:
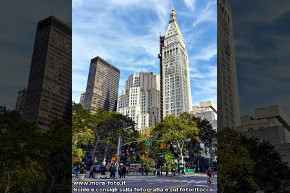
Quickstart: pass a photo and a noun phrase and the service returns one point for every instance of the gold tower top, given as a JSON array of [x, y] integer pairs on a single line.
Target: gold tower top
[[173, 15]]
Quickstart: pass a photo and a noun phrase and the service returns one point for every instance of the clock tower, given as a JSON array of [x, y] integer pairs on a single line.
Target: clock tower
[[228, 98], [174, 71]]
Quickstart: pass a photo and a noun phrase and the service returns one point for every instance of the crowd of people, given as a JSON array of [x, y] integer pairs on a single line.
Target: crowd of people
[[123, 170]]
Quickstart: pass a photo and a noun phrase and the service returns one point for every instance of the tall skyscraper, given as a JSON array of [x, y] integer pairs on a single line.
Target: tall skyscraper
[[20, 100], [175, 80], [228, 99], [141, 99], [102, 86], [50, 80]]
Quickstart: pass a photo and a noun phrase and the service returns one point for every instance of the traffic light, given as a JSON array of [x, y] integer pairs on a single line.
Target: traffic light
[[143, 157], [162, 146], [114, 159]]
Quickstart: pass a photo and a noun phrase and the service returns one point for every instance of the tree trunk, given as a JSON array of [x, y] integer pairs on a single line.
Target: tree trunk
[[95, 148], [180, 148], [105, 154]]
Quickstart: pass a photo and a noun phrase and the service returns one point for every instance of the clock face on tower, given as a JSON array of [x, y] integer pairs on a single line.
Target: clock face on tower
[[170, 70]]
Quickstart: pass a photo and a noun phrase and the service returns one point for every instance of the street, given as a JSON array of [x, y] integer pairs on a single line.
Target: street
[[146, 184]]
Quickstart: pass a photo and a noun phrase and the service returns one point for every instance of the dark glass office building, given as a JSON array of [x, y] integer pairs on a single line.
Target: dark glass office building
[[102, 86], [49, 89]]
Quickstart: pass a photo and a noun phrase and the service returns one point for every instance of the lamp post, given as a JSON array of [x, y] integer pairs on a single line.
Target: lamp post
[[118, 156]]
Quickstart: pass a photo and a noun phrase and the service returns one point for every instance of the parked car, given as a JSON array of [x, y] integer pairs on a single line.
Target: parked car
[[100, 169]]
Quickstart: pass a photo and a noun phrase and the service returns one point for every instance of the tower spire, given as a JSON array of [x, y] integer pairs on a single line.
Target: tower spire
[[172, 15]]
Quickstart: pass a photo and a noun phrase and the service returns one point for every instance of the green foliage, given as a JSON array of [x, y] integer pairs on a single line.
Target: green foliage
[[247, 165], [96, 134], [168, 156], [166, 168], [149, 169], [177, 132], [30, 158], [149, 161], [57, 148], [82, 170], [83, 125], [25, 178]]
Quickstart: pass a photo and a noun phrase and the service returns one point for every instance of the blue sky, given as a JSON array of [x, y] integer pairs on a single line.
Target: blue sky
[[262, 43], [17, 33], [126, 34]]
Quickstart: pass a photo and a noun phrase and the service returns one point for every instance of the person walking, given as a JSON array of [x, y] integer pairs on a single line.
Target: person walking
[[154, 170], [166, 171], [146, 171], [123, 171], [210, 175], [92, 171], [77, 170], [112, 170], [120, 171], [173, 171]]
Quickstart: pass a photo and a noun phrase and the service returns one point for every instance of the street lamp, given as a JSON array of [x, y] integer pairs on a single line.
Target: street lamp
[[118, 156]]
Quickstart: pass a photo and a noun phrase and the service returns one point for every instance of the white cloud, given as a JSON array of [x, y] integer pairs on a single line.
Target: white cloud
[[206, 14], [206, 53], [77, 3], [126, 33], [190, 3]]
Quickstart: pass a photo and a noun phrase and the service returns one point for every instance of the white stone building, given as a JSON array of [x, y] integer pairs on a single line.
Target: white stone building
[[82, 98], [175, 79], [206, 110], [269, 124], [141, 99]]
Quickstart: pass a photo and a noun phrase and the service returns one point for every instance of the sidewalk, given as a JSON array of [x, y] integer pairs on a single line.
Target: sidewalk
[[133, 175]]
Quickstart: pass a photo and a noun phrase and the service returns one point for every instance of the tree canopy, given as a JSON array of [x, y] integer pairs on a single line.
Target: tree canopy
[[177, 132], [248, 165], [33, 160], [96, 134]]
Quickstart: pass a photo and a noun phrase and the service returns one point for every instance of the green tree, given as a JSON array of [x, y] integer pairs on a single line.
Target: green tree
[[177, 131], [96, 134], [83, 129], [111, 128], [55, 157], [247, 165], [207, 136], [33, 160]]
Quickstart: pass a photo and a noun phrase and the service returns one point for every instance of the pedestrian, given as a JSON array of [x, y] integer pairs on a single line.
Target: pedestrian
[[210, 175], [77, 170], [146, 171], [120, 171], [112, 170], [123, 171], [173, 171], [166, 170], [154, 170], [92, 171]]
